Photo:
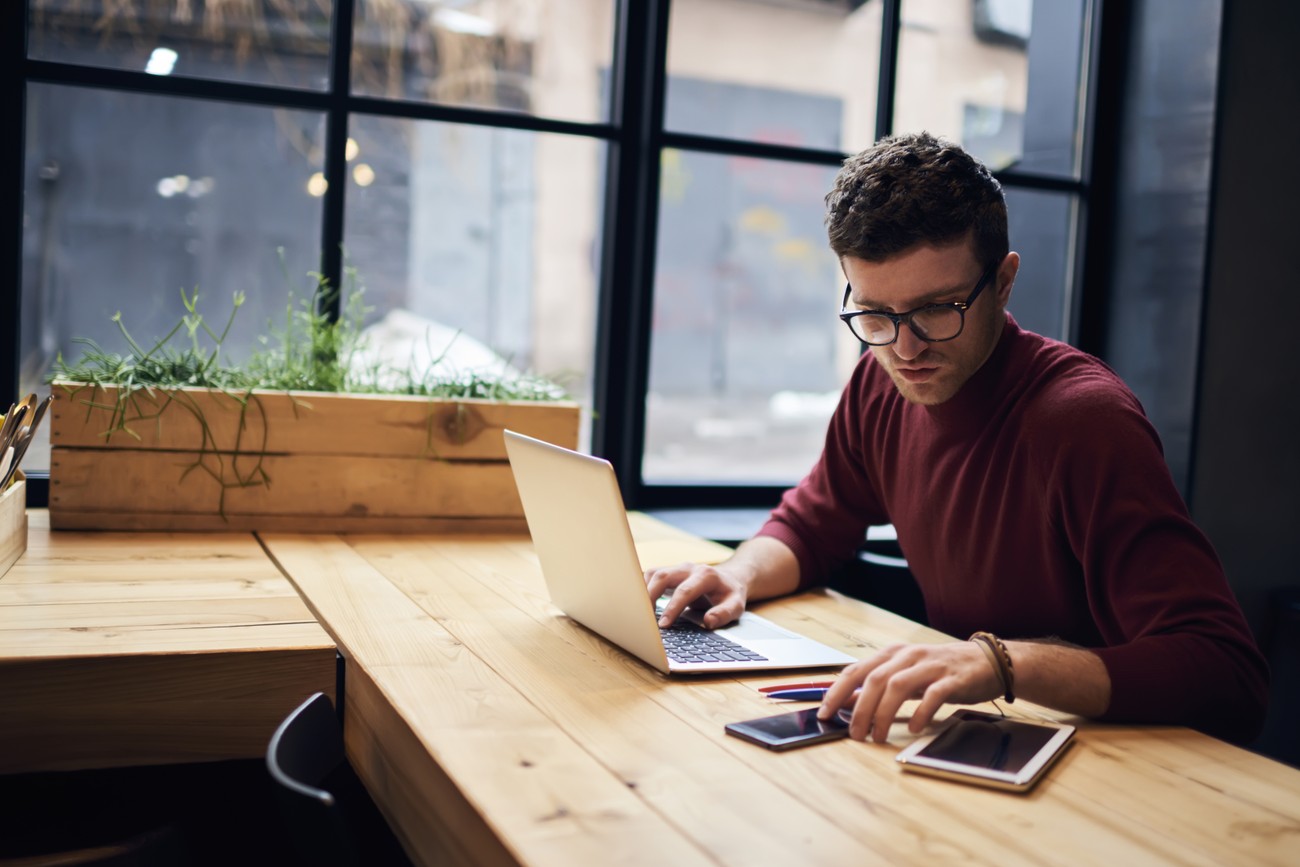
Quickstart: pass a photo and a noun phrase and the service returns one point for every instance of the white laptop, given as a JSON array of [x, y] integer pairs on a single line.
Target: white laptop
[[582, 538]]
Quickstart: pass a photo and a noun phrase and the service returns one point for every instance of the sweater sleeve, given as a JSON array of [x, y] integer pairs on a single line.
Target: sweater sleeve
[[1178, 649], [824, 518]]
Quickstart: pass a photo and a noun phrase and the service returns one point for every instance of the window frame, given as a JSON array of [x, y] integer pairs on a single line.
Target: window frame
[[619, 434], [635, 137]]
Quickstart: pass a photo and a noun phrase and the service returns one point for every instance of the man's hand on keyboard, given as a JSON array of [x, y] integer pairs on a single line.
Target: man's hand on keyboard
[[699, 586]]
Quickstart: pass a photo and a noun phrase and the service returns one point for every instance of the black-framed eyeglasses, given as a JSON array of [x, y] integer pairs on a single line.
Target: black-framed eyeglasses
[[933, 323]]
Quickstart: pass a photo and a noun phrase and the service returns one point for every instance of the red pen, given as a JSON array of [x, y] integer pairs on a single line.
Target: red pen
[[780, 687]]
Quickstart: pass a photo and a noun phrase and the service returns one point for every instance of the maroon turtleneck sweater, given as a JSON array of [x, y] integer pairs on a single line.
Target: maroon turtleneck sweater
[[1036, 503]]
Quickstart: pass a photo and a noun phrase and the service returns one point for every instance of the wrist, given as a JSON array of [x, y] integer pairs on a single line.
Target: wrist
[[763, 567], [995, 650]]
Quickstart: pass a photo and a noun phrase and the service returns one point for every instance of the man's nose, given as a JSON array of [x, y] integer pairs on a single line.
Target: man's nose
[[908, 346]]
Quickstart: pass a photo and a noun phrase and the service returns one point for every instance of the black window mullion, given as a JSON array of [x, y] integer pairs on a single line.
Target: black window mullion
[[471, 116], [13, 156], [336, 163], [1110, 26], [890, 23], [757, 149], [178, 86], [12, 147], [631, 217]]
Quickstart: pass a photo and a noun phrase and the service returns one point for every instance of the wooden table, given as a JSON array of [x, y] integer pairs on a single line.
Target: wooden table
[[124, 649], [494, 731]]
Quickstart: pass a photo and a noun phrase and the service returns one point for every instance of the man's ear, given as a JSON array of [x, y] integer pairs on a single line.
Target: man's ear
[[1007, 277]]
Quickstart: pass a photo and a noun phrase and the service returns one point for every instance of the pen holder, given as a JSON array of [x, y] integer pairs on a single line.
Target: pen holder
[[13, 522]]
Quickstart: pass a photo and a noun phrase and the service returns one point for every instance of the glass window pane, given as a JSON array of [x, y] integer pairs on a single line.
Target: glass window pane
[[480, 242], [1041, 226], [545, 57], [282, 42], [747, 354], [796, 74], [1000, 76], [131, 198]]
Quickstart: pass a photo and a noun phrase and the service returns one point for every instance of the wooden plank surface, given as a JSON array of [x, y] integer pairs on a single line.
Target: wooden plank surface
[[544, 798], [1120, 795], [742, 792], [169, 521], [311, 423], [610, 704], [166, 707], [660, 544], [126, 648], [493, 730], [315, 489]]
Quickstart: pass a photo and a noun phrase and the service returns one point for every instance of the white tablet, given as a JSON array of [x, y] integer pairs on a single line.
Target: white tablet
[[989, 750]]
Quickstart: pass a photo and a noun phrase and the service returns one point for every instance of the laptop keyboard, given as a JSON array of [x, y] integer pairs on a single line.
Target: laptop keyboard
[[687, 642]]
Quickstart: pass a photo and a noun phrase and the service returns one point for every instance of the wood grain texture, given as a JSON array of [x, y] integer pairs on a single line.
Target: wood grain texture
[[493, 730], [743, 795], [314, 487], [13, 522], [1120, 795], [660, 544], [719, 802], [309, 423], [126, 649], [198, 459], [546, 799], [77, 519], [433, 818], [73, 712]]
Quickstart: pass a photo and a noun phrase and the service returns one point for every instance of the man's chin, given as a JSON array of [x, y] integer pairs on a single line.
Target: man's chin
[[929, 393]]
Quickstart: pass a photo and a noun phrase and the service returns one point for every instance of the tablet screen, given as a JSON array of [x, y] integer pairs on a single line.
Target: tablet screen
[[996, 743]]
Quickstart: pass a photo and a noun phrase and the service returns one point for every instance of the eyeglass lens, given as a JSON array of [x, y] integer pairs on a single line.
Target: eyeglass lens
[[939, 323]]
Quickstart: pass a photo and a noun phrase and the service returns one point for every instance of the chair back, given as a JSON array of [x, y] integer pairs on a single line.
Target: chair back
[[304, 750]]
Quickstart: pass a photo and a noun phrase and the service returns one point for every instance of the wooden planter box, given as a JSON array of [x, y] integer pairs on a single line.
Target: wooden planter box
[[13, 522], [196, 459]]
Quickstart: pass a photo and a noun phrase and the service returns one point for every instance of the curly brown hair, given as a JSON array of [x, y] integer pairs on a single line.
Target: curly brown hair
[[915, 189]]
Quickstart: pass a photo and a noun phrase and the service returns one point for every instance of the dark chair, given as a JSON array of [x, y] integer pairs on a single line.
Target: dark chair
[[879, 574], [329, 816]]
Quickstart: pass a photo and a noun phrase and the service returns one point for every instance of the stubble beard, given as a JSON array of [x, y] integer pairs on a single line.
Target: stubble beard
[[934, 391]]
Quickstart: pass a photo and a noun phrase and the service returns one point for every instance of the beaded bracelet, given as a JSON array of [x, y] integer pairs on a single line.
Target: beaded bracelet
[[1000, 659]]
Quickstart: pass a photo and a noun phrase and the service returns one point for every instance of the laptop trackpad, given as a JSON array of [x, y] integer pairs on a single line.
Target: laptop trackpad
[[752, 629]]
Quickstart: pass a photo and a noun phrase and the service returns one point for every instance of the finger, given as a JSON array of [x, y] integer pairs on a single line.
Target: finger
[[935, 695], [867, 717], [659, 581], [864, 711], [683, 595], [838, 694], [908, 682], [842, 692], [726, 611]]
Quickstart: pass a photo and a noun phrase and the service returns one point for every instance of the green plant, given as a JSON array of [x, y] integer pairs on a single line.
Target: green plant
[[310, 352]]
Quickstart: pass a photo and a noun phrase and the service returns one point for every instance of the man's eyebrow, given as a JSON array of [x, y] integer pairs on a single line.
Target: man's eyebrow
[[928, 298]]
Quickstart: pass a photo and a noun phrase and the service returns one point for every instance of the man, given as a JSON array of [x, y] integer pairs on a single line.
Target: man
[[1028, 490]]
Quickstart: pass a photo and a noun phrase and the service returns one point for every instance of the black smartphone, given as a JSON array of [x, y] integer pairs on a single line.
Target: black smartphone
[[788, 730]]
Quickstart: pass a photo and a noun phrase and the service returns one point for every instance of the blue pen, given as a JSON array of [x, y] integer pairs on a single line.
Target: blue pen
[[798, 694]]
